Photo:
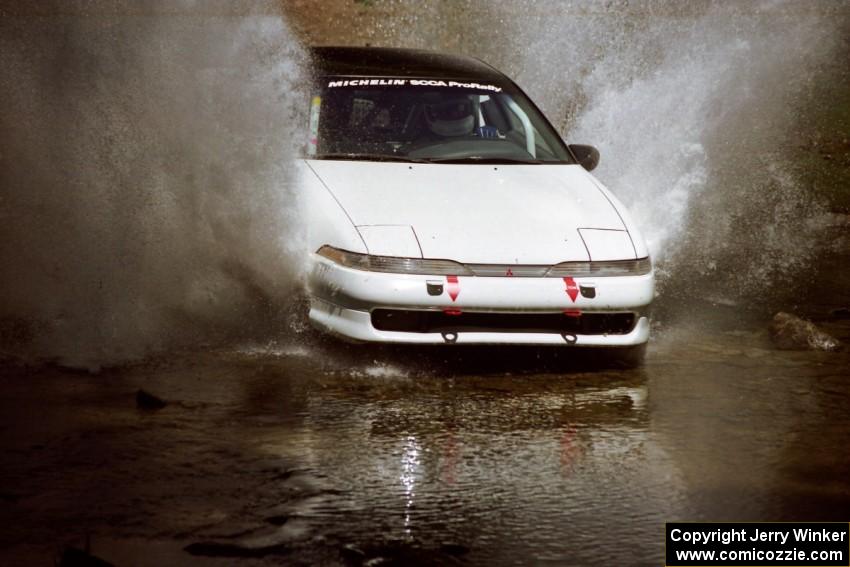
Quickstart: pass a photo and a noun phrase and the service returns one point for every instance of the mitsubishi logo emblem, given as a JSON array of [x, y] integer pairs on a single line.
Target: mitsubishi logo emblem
[[509, 272]]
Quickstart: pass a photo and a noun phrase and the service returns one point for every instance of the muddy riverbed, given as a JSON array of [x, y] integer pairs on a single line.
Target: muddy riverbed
[[314, 451]]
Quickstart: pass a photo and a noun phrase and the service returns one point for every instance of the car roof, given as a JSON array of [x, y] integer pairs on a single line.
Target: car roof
[[395, 62]]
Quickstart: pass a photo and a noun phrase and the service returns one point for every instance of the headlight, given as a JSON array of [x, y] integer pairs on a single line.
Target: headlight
[[394, 265], [391, 264], [606, 268]]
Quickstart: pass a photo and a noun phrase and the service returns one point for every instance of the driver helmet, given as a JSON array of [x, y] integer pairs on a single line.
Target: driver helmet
[[450, 117]]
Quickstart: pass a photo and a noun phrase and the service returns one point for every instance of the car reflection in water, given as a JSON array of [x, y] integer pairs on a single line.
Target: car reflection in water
[[468, 458]]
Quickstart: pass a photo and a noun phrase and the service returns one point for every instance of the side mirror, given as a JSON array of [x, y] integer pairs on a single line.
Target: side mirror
[[587, 156]]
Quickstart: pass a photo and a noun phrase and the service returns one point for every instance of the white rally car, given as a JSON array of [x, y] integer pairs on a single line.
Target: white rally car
[[443, 208]]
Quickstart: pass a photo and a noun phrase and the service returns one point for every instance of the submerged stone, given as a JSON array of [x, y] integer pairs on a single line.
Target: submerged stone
[[146, 400], [841, 313], [73, 557], [220, 549]]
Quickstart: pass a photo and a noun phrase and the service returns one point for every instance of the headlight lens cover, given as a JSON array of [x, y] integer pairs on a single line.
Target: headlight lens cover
[[427, 267], [605, 268], [394, 265]]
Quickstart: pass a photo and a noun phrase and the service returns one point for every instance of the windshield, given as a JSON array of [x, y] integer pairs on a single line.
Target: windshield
[[428, 120]]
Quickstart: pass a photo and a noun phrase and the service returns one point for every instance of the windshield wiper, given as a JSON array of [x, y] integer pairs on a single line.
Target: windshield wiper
[[484, 160], [369, 157]]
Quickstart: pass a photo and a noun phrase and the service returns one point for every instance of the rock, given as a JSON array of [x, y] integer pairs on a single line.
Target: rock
[[277, 520], [840, 313], [220, 549], [790, 332], [73, 557], [352, 554], [147, 401], [456, 549]]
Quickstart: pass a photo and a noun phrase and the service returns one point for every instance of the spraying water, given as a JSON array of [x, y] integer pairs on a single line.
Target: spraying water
[[144, 151], [145, 198], [696, 110]]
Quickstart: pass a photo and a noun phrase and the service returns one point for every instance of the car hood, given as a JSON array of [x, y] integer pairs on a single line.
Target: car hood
[[511, 214]]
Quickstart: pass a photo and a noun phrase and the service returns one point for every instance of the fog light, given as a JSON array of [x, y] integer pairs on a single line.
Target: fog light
[[434, 287]]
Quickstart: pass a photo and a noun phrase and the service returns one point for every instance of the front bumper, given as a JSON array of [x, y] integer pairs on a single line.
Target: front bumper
[[343, 299]]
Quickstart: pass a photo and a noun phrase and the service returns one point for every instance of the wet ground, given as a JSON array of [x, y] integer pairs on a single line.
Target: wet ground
[[318, 452]]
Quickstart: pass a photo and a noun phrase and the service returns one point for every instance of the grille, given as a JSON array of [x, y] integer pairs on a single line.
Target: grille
[[409, 321]]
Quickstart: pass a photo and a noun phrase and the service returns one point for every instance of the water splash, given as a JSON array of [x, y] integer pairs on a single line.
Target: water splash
[[696, 107], [143, 157], [143, 151]]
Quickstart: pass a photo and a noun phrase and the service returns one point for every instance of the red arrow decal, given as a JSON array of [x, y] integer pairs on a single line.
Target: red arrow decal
[[453, 287], [572, 288]]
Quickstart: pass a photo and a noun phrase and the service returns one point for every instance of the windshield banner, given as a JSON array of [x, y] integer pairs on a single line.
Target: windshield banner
[[411, 82]]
